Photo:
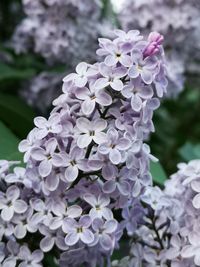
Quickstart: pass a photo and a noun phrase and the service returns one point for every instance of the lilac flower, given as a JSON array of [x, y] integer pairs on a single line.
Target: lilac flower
[[79, 78], [10, 203], [144, 68], [30, 259], [103, 231], [47, 158], [74, 161], [114, 53], [111, 76], [138, 92], [91, 97], [114, 146], [99, 206], [78, 230], [192, 250], [90, 131], [45, 127]]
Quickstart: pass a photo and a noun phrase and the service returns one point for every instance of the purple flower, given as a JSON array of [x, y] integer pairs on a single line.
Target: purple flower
[[30, 259], [138, 92], [92, 96], [79, 78], [45, 127], [114, 146], [111, 76], [46, 157], [91, 131], [78, 230], [103, 232], [99, 206], [144, 68], [11, 204]]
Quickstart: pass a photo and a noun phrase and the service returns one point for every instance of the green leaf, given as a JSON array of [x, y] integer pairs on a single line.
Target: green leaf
[[16, 114], [9, 144], [158, 173], [187, 152], [8, 73]]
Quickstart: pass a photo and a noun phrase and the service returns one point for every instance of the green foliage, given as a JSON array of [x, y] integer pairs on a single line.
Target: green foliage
[[189, 151], [176, 123], [10, 73], [158, 173], [16, 114], [8, 144]]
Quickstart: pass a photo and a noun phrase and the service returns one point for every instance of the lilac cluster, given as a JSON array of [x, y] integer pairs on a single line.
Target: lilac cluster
[[169, 233], [179, 22], [61, 33], [88, 161], [59, 30]]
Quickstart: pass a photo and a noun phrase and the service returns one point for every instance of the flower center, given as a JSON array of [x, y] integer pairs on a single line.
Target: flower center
[[79, 230]]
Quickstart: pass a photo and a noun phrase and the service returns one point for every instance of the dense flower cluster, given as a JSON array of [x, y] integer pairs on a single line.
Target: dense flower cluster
[[88, 160], [169, 234], [179, 22], [60, 32]]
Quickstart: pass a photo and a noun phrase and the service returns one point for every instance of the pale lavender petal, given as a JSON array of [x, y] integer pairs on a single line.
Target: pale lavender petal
[[74, 211], [12, 193], [136, 103], [85, 221], [126, 60], [45, 168], [106, 242], [196, 201], [110, 226], [87, 236], [71, 173], [103, 98], [84, 140], [99, 138], [52, 182], [123, 144], [82, 93], [88, 106], [46, 244], [147, 76], [101, 83], [91, 199], [115, 156], [111, 60], [40, 122], [20, 206], [71, 238], [117, 85], [7, 213], [109, 186], [133, 72], [81, 68], [83, 125], [20, 231]]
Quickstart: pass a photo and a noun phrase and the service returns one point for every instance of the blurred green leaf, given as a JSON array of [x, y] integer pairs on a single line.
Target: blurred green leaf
[[16, 114], [8, 144], [158, 173], [189, 151], [8, 73]]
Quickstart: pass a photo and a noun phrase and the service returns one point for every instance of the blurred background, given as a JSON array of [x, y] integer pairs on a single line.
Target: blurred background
[[43, 40]]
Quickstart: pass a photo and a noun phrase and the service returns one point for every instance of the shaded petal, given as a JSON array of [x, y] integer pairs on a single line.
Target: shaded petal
[[136, 102], [71, 173], [20, 231], [133, 72], [71, 238], [88, 106], [109, 186], [115, 156], [87, 236], [83, 125], [91, 199], [99, 138], [12, 193], [85, 221], [111, 60], [147, 76], [106, 242], [117, 85], [7, 213], [52, 182], [101, 83], [46, 244], [84, 140], [103, 98], [45, 168], [110, 226], [82, 93], [20, 206]]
